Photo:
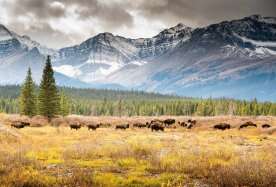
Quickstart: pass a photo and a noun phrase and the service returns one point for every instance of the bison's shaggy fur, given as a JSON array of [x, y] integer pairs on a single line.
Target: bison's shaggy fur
[[123, 127], [75, 126], [266, 126], [157, 127], [248, 124], [20, 125], [182, 124], [93, 126], [222, 126], [169, 122]]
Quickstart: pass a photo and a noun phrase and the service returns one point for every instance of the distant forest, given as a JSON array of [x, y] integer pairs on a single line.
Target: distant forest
[[137, 103]]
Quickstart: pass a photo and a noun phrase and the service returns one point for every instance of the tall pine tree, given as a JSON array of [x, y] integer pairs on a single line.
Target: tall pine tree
[[27, 96], [48, 98]]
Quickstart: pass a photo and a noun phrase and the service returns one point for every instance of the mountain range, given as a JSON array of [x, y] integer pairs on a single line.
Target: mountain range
[[234, 59]]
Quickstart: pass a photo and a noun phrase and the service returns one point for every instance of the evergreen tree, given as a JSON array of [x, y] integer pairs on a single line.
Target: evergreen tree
[[27, 96], [64, 104], [48, 98]]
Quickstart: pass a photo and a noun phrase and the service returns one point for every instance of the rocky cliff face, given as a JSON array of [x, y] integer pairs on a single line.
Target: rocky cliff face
[[105, 53], [232, 59]]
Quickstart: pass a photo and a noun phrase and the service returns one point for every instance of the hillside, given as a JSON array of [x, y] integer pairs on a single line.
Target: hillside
[[233, 59]]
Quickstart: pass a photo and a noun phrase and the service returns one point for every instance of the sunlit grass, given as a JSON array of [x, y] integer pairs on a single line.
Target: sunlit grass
[[58, 156]]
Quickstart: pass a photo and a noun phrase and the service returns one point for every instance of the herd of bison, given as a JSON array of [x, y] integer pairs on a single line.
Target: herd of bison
[[154, 125]]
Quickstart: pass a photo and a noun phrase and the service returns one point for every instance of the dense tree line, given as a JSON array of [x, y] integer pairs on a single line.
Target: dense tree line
[[153, 107]]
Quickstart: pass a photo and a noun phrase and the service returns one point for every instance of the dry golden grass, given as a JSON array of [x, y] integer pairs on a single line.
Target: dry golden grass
[[58, 156]]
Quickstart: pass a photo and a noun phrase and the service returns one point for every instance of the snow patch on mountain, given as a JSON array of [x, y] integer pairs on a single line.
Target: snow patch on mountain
[[257, 43], [68, 70], [30, 44], [138, 63]]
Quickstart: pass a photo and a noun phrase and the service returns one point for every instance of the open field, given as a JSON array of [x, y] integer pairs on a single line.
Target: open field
[[201, 156]]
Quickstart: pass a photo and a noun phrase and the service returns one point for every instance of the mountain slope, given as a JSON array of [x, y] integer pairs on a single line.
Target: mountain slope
[[225, 59], [231, 59], [105, 53]]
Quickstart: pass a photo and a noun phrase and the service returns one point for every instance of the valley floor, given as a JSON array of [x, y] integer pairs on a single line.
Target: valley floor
[[58, 156]]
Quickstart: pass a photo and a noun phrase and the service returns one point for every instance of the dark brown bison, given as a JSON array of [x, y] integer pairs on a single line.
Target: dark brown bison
[[93, 126], [20, 125], [156, 127], [266, 126], [182, 124], [140, 125], [75, 126], [222, 126], [193, 122], [169, 122], [248, 124], [123, 127], [25, 124]]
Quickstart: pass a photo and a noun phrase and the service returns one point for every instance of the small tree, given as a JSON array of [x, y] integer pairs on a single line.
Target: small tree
[[27, 96], [48, 98], [64, 104]]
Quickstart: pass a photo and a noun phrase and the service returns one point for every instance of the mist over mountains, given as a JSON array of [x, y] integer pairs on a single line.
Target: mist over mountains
[[234, 59]]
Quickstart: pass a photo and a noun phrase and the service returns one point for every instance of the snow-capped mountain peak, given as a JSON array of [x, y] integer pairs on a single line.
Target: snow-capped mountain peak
[[232, 58], [5, 34]]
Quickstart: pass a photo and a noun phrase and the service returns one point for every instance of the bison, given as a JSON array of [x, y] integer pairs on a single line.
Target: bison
[[20, 125], [182, 124], [123, 127], [93, 126], [75, 126], [169, 122], [157, 127], [190, 123], [222, 126], [266, 126], [193, 122], [248, 124]]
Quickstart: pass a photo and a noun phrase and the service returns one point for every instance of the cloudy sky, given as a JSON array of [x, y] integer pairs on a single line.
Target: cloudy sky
[[59, 23]]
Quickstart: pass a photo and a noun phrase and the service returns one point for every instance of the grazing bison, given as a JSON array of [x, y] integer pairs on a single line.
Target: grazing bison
[[17, 125], [169, 122], [75, 126], [266, 126], [140, 125], [25, 124], [157, 127], [248, 124], [123, 127], [93, 126], [20, 125], [193, 122], [182, 124], [222, 126]]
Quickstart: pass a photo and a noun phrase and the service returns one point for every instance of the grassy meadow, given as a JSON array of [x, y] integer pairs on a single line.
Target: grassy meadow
[[53, 155]]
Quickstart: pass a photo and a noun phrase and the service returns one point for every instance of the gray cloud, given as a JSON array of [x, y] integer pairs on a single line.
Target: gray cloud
[[203, 12], [58, 23]]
